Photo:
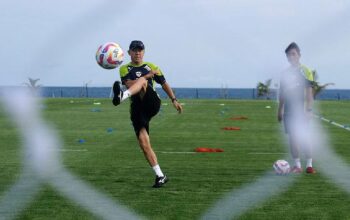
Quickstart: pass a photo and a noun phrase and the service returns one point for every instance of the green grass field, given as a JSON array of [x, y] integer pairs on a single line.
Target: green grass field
[[112, 162]]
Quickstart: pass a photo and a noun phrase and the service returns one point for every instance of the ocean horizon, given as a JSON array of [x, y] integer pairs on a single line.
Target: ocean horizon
[[187, 93]]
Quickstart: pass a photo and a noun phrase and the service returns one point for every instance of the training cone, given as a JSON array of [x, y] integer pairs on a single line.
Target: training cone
[[239, 118], [208, 150], [231, 128]]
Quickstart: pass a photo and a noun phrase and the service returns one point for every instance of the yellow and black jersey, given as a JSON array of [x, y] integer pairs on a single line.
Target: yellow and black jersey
[[133, 72], [293, 83]]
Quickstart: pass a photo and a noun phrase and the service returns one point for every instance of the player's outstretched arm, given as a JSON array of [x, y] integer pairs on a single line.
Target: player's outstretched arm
[[166, 87]]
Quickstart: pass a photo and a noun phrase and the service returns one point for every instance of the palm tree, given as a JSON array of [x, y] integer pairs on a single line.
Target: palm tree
[[32, 83], [264, 89], [317, 87]]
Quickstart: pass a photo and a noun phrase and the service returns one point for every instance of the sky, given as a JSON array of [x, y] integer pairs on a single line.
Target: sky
[[196, 43]]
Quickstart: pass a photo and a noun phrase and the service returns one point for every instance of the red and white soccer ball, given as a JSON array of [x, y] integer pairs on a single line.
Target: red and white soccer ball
[[281, 167], [109, 55]]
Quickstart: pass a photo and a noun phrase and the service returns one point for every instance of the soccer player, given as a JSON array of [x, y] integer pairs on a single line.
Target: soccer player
[[295, 106], [140, 77]]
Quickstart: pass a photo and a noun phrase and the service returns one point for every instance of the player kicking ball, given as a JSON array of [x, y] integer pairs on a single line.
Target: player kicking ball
[[140, 77]]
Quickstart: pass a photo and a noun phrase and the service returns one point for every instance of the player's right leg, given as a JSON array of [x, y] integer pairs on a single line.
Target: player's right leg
[[309, 167], [119, 96], [117, 93]]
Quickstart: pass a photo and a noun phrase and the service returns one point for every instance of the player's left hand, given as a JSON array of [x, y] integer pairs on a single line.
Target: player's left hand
[[178, 106]]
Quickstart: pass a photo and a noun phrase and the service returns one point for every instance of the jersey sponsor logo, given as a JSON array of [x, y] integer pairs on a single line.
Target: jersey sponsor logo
[[138, 74]]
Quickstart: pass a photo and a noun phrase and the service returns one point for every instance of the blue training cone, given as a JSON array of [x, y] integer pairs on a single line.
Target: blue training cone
[[81, 141]]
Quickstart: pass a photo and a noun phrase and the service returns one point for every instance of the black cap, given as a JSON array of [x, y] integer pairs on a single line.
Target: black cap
[[136, 44]]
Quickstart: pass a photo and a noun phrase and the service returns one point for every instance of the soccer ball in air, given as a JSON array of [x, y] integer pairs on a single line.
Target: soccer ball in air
[[281, 167], [109, 55]]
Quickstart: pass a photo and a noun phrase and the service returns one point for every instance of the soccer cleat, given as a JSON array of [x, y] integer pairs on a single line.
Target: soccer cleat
[[118, 93], [296, 170], [160, 181], [310, 170]]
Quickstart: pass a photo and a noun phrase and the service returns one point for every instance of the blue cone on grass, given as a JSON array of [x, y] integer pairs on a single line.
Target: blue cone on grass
[[95, 110], [81, 141]]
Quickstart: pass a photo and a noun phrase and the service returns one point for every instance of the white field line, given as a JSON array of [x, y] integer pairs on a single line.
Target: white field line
[[267, 153], [176, 152], [73, 150], [332, 122]]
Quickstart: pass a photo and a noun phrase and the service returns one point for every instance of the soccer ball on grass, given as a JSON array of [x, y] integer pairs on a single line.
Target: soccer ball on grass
[[281, 167]]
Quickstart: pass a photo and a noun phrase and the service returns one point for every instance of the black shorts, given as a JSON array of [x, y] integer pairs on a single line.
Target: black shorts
[[142, 110]]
